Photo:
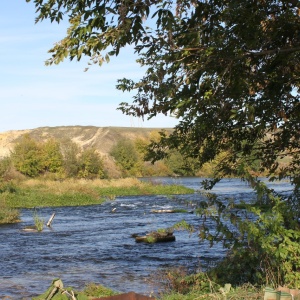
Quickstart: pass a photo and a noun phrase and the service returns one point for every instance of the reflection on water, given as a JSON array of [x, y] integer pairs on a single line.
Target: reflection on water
[[93, 244]]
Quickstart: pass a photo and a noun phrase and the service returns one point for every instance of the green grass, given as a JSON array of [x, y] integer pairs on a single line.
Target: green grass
[[90, 291], [36, 198], [176, 284], [38, 221], [39, 193], [97, 290], [145, 189], [200, 287], [245, 292]]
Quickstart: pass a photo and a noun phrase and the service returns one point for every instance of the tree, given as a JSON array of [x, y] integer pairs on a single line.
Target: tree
[[181, 166], [70, 152], [90, 164], [52, 157], [27, 157], [125, 156], [230, 72]]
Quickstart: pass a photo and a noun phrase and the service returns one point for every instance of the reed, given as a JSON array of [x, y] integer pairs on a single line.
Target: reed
[[38, 221]]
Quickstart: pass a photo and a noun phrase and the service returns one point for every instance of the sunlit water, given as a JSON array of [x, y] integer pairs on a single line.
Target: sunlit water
[[93, 244]]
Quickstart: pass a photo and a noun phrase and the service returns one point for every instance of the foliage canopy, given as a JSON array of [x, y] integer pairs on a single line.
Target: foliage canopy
[[230, 72], [125, 155], [34, 159]]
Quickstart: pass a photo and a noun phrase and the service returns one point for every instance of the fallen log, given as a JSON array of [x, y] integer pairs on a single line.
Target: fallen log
[[30, 229], [51, 219]]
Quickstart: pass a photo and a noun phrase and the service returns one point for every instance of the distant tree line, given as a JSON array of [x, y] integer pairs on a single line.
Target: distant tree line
[[58, 159], [65, 159], [133, 159]]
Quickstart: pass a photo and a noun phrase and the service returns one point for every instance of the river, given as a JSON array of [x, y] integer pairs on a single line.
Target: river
[[94, 244]]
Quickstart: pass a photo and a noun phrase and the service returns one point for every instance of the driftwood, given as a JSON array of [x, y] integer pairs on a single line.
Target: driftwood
[[30, 229], [34, 228], [50, 220], [57, 285]]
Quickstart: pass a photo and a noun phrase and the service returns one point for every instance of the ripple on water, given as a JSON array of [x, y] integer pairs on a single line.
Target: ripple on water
[[92, 244]]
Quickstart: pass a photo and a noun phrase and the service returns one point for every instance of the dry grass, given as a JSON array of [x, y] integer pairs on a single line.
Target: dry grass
[[58, 187], [80, 184]]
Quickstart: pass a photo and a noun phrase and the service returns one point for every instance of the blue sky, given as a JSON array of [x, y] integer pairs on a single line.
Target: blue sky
[[33, 95]]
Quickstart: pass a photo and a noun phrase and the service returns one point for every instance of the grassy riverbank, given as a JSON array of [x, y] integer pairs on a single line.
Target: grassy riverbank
[[177, 284], [196, 286], [47, 193]]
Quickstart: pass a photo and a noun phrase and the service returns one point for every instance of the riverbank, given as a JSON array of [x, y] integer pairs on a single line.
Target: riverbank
[[48, 193], [94, 244], [181, 288]]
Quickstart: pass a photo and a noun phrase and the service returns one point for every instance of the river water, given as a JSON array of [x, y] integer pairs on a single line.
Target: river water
[[94, 244]]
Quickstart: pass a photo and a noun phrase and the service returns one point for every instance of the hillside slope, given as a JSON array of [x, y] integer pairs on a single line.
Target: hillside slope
[[101, 138]]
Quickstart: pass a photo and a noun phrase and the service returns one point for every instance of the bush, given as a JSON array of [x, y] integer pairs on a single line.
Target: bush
[[27, 157], [91, 165], [5, 166], [7, 215], [7, 186], [125, 156]]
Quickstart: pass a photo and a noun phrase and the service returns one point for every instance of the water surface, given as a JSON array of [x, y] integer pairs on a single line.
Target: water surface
[[93, 244]]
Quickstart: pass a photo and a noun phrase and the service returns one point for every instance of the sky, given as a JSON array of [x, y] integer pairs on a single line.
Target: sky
[[33, 95]]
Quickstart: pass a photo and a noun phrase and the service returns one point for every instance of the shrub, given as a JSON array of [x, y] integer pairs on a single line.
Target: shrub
[[27, 157], [125, 156], [7, 214], [91, 165]]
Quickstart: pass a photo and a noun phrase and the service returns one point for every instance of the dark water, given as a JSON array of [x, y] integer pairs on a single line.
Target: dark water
[[92, 244]]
